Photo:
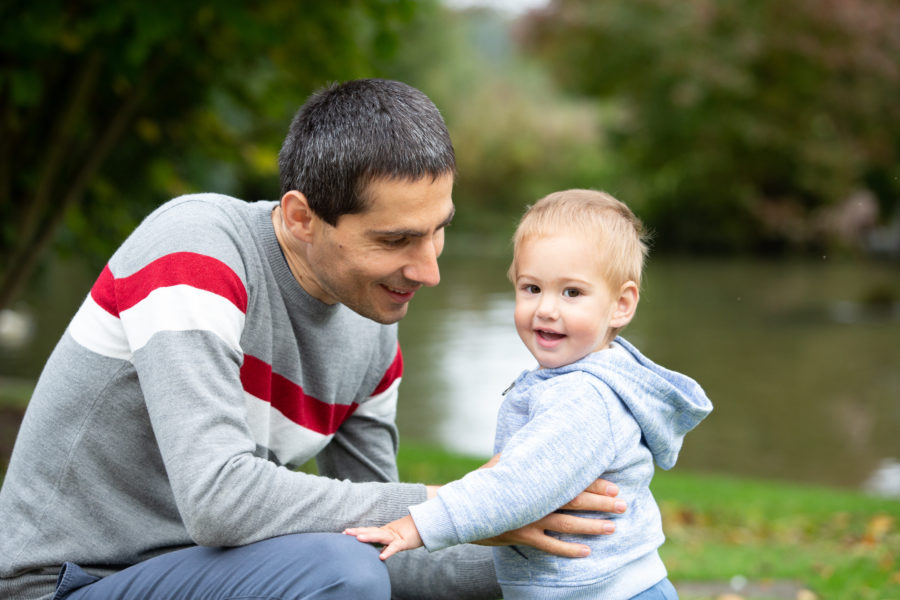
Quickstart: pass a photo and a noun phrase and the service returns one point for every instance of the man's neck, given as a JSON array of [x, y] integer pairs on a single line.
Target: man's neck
[[296, 261]]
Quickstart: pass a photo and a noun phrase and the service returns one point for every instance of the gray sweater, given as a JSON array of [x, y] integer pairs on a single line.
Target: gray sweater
[[611, 414], [194, 375]]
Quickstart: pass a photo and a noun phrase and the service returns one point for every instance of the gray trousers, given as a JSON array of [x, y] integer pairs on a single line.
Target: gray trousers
[[311, 566]]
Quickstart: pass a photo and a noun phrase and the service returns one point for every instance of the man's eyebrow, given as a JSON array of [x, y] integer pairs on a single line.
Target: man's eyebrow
[[413, 232], [449, 218]]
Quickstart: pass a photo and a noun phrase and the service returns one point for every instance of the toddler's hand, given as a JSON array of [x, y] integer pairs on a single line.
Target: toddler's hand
[[396, 536]]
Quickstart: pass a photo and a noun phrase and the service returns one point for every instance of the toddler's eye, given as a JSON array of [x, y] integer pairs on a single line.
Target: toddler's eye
[[571, 293], [531, 288]]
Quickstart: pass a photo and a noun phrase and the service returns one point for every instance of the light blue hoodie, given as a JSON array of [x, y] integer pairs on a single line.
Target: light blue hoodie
[[610, 414]]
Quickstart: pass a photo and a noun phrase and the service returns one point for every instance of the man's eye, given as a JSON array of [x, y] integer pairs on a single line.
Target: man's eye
[[394, 242], [571, 293]]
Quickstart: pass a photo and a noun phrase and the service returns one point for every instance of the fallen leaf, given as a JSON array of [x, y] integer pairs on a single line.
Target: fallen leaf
[[879, 526]]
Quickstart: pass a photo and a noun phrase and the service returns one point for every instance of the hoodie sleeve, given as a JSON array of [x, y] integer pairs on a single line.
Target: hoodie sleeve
[[549, 461]]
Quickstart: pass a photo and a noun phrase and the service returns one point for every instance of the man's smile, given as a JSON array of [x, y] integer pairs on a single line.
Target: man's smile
[[400, 295]]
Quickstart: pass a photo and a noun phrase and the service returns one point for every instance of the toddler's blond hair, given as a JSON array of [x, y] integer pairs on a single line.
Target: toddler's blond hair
[[617, 235]]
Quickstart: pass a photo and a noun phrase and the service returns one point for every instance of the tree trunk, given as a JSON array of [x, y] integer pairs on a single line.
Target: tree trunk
[[43, 224]]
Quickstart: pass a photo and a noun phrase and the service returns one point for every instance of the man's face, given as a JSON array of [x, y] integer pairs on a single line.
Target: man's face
[[373, 262]]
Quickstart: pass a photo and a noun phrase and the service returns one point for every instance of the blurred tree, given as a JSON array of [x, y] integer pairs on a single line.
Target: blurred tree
[[113, 107], [738, 122], [517, 137]]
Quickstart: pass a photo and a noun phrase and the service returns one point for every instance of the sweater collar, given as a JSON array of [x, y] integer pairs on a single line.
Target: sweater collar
[[295, 297]]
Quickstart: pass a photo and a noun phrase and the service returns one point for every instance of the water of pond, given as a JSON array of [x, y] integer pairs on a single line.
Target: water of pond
[[800, 358]]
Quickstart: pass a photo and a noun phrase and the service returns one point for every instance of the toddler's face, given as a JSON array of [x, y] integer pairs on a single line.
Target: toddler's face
[[564, 306]]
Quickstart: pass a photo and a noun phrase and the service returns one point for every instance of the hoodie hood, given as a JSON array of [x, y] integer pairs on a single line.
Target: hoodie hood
[[665, 404]]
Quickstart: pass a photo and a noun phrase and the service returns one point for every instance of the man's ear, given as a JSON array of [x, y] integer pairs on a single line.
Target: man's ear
[[626, 305], [299, 219]]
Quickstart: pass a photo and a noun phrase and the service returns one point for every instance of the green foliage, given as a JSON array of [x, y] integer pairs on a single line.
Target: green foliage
[[107, 109], [14, 394], [517, 138], [739, 123]]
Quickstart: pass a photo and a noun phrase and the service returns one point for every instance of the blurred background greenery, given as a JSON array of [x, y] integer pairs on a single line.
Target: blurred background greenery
[[758, 139], [743, 126]]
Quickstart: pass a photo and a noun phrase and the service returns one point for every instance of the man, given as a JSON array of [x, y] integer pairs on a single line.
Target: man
[[227, 341]]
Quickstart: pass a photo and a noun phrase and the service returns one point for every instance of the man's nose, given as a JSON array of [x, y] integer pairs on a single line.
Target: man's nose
[[424, 266]]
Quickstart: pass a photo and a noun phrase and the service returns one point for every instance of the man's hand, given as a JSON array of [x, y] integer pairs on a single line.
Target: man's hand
[[600, 496]]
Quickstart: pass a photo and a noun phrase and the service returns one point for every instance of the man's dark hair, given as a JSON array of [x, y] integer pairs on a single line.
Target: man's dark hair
[[347, 135]]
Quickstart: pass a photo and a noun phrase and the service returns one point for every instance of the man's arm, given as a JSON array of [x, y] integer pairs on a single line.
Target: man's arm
[[364, 448]]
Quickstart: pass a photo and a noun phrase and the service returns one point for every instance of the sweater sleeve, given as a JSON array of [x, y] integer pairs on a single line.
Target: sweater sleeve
[[182, 314], [565, 445], [365, 446]]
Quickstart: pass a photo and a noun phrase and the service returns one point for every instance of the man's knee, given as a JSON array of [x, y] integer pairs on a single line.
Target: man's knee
[[353, 568]]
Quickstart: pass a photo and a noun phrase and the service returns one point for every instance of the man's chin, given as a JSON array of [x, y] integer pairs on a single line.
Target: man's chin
[[385, 316], [394, 316]]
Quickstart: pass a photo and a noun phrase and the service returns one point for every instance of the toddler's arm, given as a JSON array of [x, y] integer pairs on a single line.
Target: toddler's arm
[[396, 536]]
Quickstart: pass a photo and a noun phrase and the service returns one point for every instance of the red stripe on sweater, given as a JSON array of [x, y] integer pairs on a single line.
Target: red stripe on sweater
[[290, 400], [394, 372], [179, 268], [104, 291]]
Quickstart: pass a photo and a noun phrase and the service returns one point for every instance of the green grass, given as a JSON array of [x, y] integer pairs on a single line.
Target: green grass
[[837, 544]]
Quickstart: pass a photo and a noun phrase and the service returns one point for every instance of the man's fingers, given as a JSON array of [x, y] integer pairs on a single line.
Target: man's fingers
[[593, 502], [551, 545], [534, 534], [537, 538], [561, 523], [603, 487]]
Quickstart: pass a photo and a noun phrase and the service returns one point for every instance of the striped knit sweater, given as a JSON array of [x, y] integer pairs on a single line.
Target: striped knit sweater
[[195, 372]]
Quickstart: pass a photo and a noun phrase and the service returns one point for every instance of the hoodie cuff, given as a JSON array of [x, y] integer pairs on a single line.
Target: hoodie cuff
[[434, 524]]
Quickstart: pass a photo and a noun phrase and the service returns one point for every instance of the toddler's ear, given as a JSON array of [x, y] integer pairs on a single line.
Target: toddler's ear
[[626, 305]]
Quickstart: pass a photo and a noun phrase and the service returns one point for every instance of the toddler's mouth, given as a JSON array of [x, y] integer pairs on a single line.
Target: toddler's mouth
[[550, 336]]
